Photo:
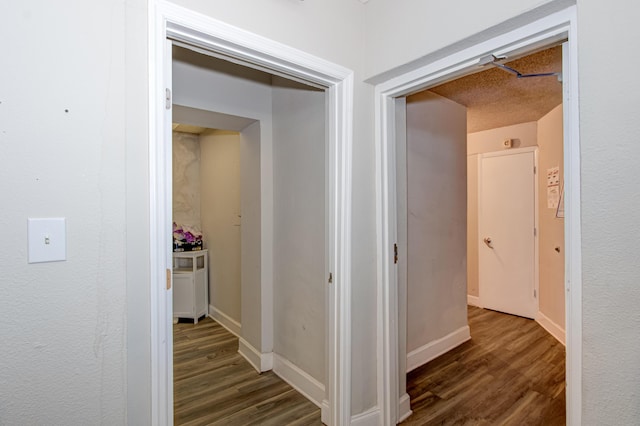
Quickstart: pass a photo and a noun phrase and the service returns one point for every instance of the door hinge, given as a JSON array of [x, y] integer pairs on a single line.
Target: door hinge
[[167, 98], [395, 253], [168, 279], [535, 170], [330, 277], [535, 293], [535, 232]]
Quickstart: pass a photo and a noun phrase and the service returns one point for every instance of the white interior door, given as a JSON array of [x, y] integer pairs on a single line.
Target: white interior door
[[507, 241]]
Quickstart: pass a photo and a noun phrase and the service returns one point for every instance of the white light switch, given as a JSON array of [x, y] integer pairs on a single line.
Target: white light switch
[[47, 239]]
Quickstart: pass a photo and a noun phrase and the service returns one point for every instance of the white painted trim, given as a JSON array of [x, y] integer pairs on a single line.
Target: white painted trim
[[474, 301], [554, 329], [325, 412], [232, 326], [261, 362], [371, 417], [536, 237], [434, 349], [551, 28], [505, 152], [236, 45], [387, 348], [299, 379], [572, 225], [160, 202], [404, 408]]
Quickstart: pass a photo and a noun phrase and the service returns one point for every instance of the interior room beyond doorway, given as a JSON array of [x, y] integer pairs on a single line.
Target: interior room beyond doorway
[[494, 106], [262, 209]]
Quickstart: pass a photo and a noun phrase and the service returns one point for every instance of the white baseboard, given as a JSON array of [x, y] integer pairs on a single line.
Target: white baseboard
[[404, 407], [434, 349], [473, 301], [324, 412], [312, 389], [233, 326], [371, 417], [261, 362], [554, 329]]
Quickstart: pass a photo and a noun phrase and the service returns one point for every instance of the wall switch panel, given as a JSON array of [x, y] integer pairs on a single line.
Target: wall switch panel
[[47, 239]]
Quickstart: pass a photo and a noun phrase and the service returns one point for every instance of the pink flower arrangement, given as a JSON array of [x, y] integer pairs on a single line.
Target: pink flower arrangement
[[185, 234]]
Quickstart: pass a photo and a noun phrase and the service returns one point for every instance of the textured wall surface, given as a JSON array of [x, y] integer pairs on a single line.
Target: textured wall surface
[[62, 138], [252, 260], [609, 129], [299, 248], [84, 324], [220, 155], [551, 235], [428, 27], [186, 179], [437, 218]]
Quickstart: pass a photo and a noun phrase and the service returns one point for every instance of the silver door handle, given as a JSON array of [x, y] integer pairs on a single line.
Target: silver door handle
[[487, 241]]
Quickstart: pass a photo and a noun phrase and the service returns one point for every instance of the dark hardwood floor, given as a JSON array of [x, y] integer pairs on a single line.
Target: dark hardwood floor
[[511, 372], [214, 385]]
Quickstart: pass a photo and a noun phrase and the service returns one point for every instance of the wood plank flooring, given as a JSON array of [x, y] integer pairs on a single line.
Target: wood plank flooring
[[511, 372], [214, 385]]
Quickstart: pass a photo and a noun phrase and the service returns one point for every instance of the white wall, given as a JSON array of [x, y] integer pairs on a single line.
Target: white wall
[[251, 236], [303, 25], [608, 153], [295, 170], [523, 135], [609, 129], [186, 179], [427, 30], [299, 248], [220, 206], [88, 328], [62, 136], [551, 235], [437, 217], [213, 85], [297, 24]]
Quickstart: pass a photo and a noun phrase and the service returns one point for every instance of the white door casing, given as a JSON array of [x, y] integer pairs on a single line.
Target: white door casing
[[535, 32], [169, 21], [507, 244]]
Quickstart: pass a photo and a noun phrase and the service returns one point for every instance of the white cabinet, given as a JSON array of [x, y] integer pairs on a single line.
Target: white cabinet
[[190, 284]]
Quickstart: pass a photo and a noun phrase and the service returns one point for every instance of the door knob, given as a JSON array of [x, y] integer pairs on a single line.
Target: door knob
[[487, 241]]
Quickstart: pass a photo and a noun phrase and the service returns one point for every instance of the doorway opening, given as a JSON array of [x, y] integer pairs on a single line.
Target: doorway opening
[[262, 213], [391, 102], [175, 25]]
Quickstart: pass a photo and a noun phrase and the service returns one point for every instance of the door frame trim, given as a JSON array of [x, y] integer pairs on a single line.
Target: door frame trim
[[536, 224], [554, 27], [167, 20]]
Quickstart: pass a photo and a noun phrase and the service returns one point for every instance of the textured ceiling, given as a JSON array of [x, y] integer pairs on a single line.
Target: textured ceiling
[[496, 98]]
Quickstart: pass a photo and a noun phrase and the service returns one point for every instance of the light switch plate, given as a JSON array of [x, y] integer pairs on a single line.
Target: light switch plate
[[47, 239]]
